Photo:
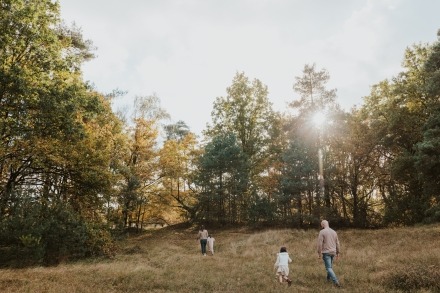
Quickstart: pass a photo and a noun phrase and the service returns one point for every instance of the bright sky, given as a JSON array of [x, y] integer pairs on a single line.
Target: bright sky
[[188, 51]]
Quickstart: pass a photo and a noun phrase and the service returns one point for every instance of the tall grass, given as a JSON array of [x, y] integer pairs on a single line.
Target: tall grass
[[169, 260]]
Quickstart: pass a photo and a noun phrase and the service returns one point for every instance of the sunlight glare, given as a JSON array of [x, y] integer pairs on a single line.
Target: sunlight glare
[[319, 118]]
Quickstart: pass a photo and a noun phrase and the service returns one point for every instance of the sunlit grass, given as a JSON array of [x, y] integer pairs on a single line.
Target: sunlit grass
[[170, 261]]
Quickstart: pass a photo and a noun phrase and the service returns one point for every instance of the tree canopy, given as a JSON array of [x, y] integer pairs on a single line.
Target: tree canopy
[[73, 172]]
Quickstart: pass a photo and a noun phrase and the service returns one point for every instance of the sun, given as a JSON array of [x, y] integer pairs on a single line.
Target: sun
[[319, 118]]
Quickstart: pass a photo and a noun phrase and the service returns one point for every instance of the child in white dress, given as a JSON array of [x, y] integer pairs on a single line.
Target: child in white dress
[[282, 266], [211, 244]]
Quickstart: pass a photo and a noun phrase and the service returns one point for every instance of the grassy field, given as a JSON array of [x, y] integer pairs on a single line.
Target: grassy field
[[169, 260]]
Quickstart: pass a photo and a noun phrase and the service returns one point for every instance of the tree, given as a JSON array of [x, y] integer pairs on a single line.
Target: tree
[[223, 178], [357, 157], [296, 202], [247, 113], [314, 98], [177, 160], [428, 164], [51, 124], [176, 131], [398, 109], [427, 154], [311, 87], [140, 170]]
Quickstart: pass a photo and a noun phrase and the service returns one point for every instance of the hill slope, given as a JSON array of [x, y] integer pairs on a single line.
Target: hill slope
[[169, 260]]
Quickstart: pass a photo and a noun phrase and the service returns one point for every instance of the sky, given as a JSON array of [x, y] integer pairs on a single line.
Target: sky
[[187, 52]]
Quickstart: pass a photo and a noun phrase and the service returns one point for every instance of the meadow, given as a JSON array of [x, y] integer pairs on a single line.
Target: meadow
[[169, 260]]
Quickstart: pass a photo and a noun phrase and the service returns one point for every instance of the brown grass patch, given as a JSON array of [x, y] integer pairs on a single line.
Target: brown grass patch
[[414, 277]]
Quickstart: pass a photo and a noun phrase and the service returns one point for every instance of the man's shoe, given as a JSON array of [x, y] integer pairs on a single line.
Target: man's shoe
[[338, 285]]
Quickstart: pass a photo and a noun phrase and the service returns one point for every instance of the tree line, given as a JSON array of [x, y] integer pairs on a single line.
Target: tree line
[[74, 173]]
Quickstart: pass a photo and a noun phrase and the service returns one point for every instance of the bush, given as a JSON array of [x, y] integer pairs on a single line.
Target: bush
[[99, 241], [67, 235], [432, 215], [38, 234], [413, 278]]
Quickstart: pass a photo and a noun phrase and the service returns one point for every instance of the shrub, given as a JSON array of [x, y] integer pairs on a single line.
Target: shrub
[[432, 215], [41, 234], [416, 277], [99, 241]]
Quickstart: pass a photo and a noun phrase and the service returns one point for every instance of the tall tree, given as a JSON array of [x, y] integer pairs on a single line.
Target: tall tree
[[298, 179], [398, 109], [51, 125], [314, 99], [427, 150], [311, 87], [428, 164], [247, 113], [140, 170], [356, 158], [223, 177], [177, 159]]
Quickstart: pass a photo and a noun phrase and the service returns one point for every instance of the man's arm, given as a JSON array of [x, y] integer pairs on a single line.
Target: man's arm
[[337, 245], [319, 244]]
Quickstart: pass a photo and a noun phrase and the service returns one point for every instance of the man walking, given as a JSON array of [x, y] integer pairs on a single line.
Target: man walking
[[328, 249]]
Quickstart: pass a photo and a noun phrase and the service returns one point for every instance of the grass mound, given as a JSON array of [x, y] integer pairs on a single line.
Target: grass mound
[[415, 277]]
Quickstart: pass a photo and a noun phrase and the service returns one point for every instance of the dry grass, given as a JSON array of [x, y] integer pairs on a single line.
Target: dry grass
[[389, 260]]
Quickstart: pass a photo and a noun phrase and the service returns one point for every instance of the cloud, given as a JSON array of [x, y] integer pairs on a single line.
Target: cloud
[[187, 52]]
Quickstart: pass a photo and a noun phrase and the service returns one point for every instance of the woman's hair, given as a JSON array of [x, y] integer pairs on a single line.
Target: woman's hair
[[283, 249]]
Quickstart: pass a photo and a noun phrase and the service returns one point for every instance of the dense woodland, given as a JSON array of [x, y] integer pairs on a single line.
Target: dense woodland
[[75, 173]]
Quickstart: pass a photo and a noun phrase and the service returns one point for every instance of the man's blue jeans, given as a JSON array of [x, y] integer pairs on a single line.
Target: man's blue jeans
[[203, 245], [328, 262]]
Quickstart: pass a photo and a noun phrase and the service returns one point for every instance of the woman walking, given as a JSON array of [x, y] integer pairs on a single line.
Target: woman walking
[[203, 237]]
